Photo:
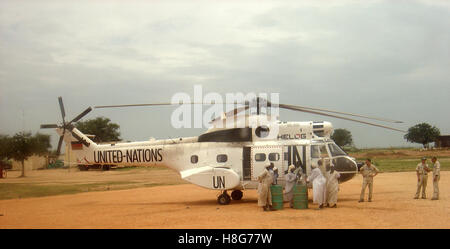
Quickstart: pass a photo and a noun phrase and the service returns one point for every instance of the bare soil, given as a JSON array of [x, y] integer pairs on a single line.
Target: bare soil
[[190, 206]]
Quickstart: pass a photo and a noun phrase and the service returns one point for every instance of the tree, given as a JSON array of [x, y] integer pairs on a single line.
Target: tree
[[4, 146], [342, 137], [422, 133], [101, 127], [23, 145]]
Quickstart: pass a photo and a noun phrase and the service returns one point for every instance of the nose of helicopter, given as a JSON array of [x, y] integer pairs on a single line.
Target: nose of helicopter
[[346, 167]]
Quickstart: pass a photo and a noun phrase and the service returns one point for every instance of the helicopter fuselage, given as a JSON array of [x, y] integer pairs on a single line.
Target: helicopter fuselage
[[222, 159]]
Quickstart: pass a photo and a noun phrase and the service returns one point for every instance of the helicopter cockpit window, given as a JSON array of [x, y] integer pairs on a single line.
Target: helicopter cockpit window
[[335, 150], [274, 157], [194, 159], [222, 158], [260, 157]]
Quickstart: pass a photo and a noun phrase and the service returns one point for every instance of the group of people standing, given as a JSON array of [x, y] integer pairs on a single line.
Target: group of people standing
[[422, 170], [369, 171], [325, 182], [324, 179]]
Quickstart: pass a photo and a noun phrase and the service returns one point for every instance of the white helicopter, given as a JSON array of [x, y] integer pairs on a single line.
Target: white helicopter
[[224, 159]]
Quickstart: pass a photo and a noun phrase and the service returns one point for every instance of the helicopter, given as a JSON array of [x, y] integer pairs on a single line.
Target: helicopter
[[225, 157]]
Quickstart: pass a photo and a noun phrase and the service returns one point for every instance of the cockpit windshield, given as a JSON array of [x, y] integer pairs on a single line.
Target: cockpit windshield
[[335, 150]]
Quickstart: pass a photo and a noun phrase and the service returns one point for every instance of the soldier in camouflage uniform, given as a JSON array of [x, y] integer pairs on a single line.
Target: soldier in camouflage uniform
[[368, 171], [422, 177]]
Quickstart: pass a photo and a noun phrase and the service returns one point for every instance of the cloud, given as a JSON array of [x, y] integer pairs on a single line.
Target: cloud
[[377, 58]]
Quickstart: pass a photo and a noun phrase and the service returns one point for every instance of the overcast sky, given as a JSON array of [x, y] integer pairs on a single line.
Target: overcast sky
[[380, 58]]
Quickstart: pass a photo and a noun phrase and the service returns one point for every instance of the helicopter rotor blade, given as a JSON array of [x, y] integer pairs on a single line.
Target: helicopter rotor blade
[[233, 112], [45, 126], [166, 104], [81, 115], [61, 107], [296, 108], [349, 114]]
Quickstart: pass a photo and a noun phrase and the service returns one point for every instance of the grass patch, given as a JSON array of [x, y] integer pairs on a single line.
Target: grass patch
[[398, 165], [26, 190]]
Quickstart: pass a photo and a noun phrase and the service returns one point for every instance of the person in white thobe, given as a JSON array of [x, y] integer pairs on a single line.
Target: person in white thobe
[[332, 187], [290, 178], [319, 185], [264, 195]]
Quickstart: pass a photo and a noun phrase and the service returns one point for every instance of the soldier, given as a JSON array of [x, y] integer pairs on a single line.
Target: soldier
[[368, 171], [264, 195], [291, 178], [422, 177], [436, 178]]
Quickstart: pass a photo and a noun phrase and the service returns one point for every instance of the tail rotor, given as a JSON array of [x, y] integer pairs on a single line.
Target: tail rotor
[[66, 126]]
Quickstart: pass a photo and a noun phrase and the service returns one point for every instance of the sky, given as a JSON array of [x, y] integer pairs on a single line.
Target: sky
[[381, 58]]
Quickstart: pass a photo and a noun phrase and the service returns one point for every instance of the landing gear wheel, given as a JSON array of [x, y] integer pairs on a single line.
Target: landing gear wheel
[[224, 199], [236, 195]]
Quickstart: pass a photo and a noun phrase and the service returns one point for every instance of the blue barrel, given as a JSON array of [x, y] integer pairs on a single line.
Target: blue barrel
[[277, 196], [300, 196]]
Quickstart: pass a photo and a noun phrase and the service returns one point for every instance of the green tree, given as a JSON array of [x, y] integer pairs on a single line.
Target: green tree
[[422, 133], [342, 137], [101, 127], [23, 145], [4, 146]]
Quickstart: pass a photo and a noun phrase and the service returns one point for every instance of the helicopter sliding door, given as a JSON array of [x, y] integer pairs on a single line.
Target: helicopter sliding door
[[261, 156]]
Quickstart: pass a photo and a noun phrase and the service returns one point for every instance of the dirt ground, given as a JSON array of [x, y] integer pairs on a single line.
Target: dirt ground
[[190, 206]]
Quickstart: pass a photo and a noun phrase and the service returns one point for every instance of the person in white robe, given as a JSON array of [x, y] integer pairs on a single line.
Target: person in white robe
[[332, 187], [291, 179], [275, 176], [264, 194], [319, 185]]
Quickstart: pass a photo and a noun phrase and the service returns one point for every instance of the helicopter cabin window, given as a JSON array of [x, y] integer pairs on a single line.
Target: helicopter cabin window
[[274, 157], [315, 152], [260, 157], [335, 150], [318, 151], [194, 159], [222, 158]]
